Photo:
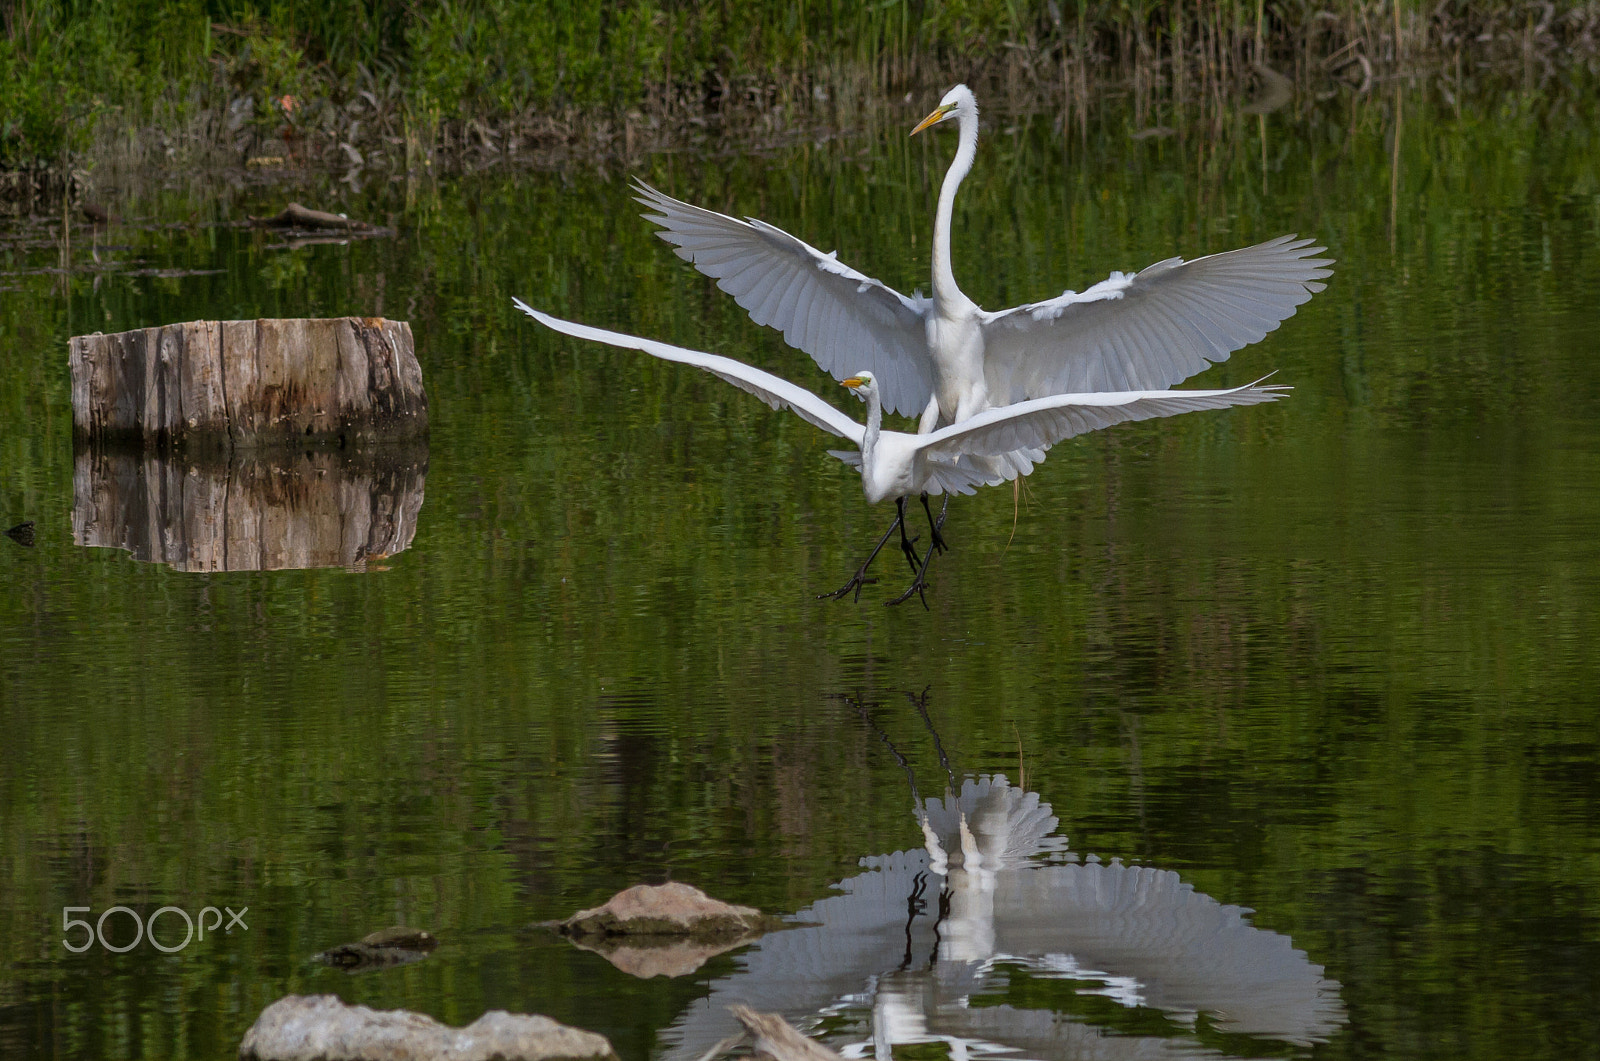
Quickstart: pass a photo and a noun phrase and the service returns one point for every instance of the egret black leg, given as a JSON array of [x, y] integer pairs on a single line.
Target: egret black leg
[[936, 524], [860, 578], [918, 584], [907, 545]]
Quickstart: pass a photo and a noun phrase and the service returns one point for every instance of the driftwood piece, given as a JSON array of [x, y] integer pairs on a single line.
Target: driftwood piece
[[296, 216], [382, 949], [222, 384], [776, 1038], [252, 512]]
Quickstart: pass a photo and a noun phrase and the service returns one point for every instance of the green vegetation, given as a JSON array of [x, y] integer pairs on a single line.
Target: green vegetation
[[216, 70], [1332, 660]]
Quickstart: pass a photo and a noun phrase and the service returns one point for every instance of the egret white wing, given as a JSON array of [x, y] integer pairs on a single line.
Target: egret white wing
[[1042, 422], [961, 475], [1150, 329], [777, 392], [845, 320]]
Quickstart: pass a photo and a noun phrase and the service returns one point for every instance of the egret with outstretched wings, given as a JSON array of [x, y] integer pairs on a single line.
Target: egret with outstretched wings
[[944, 359]]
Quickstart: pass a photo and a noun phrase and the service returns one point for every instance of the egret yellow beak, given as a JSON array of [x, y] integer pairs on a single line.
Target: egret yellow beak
[[853, 382], [935, 118]]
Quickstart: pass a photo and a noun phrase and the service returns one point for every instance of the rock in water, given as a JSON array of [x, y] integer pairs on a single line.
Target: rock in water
[[670, 909], [322, 1028]]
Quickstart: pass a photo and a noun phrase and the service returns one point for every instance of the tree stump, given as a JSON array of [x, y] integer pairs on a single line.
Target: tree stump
[[243, 384], [258, 511]]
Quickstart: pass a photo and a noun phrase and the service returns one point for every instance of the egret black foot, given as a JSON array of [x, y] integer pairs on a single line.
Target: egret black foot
[[857, 580], [915, 589]]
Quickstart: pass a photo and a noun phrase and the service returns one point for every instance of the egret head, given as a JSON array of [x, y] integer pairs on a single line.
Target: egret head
[[955, 101], [861, 384]]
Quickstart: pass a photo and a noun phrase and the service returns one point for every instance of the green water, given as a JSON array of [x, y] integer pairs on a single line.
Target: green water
[[1331, 659]]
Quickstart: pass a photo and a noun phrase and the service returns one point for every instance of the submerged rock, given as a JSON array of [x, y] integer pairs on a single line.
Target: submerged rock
[[382, 949], [672, 910], [323, 1028]]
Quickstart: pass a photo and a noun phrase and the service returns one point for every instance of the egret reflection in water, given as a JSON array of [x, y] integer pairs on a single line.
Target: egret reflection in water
[[932, 945]]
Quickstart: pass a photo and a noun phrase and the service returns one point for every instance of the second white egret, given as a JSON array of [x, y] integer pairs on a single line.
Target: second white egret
[[897, 465]]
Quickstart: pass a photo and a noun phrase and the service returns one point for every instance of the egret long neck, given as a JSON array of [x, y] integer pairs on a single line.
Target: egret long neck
[[944, 280], [869, 441]]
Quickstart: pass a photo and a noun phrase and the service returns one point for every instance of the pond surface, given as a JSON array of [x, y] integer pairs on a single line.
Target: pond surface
[[1330, 660]]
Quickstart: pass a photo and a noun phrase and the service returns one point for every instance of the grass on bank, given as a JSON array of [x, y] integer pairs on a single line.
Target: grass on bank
[[230, 74]]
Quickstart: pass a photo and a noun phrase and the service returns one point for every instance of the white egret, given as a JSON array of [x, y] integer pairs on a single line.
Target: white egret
[[894, 464], [944, 359]]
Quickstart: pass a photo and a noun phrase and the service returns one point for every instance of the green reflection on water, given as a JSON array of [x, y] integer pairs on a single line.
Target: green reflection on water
[[1331, 659]]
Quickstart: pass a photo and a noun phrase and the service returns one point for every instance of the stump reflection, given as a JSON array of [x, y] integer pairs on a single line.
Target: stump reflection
[[253, 512]]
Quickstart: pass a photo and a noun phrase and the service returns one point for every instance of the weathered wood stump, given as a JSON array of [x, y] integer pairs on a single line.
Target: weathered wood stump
[[243, 384], [261, 511]]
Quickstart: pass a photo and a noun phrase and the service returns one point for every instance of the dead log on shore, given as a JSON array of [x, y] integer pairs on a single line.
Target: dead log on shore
[[216, 385], [264, 511]]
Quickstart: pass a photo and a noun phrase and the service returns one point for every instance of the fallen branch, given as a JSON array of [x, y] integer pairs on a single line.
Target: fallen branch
[[777, 1039], [296, 216]]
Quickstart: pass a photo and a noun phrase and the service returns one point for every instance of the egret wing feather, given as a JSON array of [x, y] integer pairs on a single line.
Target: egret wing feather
[[1042, 422], [776, 392], [845, 320], [960, 476], [1153, 328], [852, 457]]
